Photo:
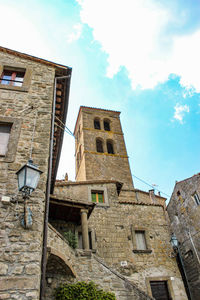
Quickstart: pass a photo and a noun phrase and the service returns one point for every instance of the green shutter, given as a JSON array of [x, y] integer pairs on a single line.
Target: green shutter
[[93, 197], [100, 197]]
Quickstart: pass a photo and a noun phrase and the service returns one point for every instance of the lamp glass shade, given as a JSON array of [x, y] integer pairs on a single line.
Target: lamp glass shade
[[28, 177], [174, 241], [21, 178]]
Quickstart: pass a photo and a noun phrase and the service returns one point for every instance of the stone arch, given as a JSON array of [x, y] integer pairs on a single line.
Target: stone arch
[[106, 124], [110, 146], [97, 124], [99, 145], [63, 260]]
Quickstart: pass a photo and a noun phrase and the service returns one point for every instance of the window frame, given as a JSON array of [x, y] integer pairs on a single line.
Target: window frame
[[7, 134], [97, 193], [161, 278], [14, 68], [134, 241], [196, 198], [98, 188], [13, 139]]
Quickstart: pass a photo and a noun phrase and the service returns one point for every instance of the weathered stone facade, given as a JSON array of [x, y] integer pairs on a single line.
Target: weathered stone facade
[[91, 164], [21, 249], [114, 223], [184, 214]]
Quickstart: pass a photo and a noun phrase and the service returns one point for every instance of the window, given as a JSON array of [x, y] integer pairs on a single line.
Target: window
[[14, 77], [99, 145], [110, 148], [106, 124], [4, 137], [140, 240], [97, 196], [97, 124], [196, 198]]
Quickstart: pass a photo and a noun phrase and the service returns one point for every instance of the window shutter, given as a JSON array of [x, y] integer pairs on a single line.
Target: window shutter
[[140, 240], [94, 197], [100, 197], [4, 138]]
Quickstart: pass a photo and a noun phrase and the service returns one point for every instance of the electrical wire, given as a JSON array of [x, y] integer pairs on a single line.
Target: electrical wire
[[149, 185]]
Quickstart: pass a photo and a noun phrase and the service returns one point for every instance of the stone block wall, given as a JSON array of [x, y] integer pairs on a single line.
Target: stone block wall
[[21, 249], [184, 214], [70, 265], [114, 224]]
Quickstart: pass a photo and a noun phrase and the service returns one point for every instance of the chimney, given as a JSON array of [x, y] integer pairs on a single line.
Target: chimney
[[66, 177], [152, 195]]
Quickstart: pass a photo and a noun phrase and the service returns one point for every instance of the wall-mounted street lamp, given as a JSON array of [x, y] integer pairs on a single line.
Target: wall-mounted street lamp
[[174, 242], [28, 177]]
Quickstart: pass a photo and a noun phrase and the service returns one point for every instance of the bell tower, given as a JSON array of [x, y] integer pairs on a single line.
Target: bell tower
[[100, 148]]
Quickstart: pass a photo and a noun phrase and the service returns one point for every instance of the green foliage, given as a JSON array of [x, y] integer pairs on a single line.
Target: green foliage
[[71, 239], [82, 291]]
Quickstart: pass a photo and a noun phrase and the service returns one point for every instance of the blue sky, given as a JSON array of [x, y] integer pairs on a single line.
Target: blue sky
[[140, 57]]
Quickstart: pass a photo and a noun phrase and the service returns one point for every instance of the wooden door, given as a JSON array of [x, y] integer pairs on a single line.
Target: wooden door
[[160, 290]]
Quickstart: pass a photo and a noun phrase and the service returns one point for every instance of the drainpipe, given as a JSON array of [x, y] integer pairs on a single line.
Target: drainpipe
[[46, 216]]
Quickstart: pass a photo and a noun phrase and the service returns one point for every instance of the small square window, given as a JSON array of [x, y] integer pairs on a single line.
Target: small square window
[[4, 137], [140, 240], [196, 198], [13, 77], [97, 196]]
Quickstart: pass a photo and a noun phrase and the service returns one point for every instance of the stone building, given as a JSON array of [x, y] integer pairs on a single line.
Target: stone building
[[123, 233], [31, 97], [184, 214]]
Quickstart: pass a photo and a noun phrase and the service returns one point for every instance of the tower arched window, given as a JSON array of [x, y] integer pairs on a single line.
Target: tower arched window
[[106, 124], [99, 145], [97, 123], [110, 148]]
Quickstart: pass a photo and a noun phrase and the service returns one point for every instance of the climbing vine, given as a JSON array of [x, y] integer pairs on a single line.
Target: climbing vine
[[82, 291]]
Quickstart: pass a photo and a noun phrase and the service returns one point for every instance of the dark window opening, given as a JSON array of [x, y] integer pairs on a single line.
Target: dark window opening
[[196, 198], [110, 148], [97, 196], [80, 240], [12, 77], [97, 124], [4, 137], [99, 146], [107, 125]]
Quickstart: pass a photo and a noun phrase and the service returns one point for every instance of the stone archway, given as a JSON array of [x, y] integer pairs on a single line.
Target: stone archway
[[58, 271]]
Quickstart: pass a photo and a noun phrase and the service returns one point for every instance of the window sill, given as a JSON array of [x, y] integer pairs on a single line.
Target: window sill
[[101, 204], [147, 251], [14, 88]]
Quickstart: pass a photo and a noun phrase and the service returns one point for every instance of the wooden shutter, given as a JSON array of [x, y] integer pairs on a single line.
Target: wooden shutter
[[4, 138], [160, 290], [140, 240], [100, 197]]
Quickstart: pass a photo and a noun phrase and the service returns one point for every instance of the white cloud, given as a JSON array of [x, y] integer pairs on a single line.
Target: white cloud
[[134, 34], [76, 34], [180, 111]]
